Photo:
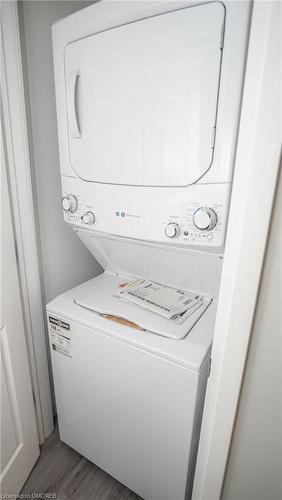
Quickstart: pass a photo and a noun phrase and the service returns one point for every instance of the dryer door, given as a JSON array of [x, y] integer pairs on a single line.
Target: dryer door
[[142, 99]]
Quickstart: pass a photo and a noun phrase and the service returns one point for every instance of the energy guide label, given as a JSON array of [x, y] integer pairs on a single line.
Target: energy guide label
[[60, 338]]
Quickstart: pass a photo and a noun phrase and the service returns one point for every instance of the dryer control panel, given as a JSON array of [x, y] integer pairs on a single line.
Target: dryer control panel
[[197, 219]]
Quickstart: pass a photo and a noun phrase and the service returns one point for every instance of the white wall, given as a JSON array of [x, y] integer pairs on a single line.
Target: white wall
[[255, 461], [65, 262]]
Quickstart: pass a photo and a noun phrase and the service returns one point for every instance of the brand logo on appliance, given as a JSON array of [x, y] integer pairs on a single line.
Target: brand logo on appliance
[[124, 214]]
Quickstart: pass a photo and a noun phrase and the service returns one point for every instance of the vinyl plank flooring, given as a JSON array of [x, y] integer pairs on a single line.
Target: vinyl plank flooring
[[63, 471]]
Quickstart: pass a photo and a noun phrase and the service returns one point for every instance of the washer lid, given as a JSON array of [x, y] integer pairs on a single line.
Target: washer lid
[[142, 99], [101, 299], [189, 352]]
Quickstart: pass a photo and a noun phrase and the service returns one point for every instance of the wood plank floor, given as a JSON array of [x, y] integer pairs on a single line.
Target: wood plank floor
[[63, 471]]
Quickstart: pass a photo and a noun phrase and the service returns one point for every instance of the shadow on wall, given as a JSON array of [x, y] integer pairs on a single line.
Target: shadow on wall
[[64, 261]]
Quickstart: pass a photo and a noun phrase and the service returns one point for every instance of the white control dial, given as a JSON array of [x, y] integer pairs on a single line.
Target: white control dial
[[172, 230], [204, 218], [88, 218], [69, 203]]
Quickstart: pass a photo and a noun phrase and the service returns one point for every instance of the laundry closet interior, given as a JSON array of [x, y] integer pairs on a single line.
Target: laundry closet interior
[[132, 200]]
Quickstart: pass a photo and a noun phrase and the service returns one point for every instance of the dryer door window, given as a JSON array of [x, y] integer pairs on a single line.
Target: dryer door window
[[142, 99]]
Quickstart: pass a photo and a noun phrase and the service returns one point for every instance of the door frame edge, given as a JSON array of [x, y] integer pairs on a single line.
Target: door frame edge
[[22, 205], [256, 173]]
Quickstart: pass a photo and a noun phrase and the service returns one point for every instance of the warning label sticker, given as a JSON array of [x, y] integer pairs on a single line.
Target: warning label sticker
[[60, 336]]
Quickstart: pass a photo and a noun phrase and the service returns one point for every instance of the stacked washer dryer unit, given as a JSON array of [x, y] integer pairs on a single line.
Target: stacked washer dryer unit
[[148, 102]]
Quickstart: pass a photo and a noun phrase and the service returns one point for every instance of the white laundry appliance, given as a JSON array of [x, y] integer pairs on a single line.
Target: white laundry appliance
[[148, 103]]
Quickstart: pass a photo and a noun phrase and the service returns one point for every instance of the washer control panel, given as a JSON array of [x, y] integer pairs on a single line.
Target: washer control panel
[[172, 230], [196, 224], [196, 218], [204, 218]]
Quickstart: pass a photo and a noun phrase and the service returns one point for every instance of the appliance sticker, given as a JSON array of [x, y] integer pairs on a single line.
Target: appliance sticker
[[60, 338]]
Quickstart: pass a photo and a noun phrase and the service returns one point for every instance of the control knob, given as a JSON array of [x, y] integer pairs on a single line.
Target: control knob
[[204, 218], [88, 218], [69, 203], [172, 230]]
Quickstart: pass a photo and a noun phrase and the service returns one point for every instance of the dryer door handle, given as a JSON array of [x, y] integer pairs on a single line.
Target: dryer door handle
[[72, 81]]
